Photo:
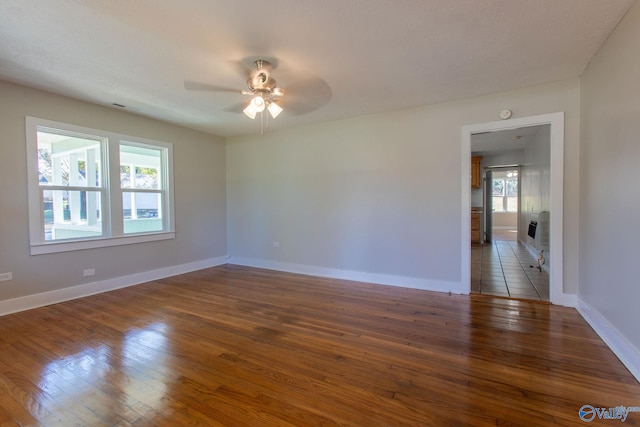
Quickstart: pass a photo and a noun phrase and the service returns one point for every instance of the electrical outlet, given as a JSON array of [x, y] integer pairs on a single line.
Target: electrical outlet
[[6, 276], [89, 272], [276, 244]]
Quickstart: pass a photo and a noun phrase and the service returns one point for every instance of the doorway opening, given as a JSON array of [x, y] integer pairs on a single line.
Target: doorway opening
[[530, 186], [501, 201], [505, 264]]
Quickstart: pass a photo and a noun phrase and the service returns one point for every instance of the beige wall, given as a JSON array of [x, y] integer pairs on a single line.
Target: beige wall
[[380, 193], [377, 194], [200, 199], [505, 220], [609, 192]]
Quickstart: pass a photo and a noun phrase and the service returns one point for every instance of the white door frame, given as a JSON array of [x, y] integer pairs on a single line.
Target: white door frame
[[556, 122]]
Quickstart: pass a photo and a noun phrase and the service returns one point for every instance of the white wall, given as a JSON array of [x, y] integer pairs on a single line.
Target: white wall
[[379, 194], [200, 198], [610, 190], [501, 158], [535, 196]]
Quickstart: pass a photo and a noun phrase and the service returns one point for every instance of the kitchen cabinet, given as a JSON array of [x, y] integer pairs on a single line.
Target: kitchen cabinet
[[476, 229], [476, 172]]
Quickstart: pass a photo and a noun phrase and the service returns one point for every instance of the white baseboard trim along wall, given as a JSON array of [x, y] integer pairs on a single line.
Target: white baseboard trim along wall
[[60, 295], [623, 349], [568, 300], [356, 276]]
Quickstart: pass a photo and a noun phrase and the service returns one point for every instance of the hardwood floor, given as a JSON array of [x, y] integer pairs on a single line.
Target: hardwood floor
[[237, 346]]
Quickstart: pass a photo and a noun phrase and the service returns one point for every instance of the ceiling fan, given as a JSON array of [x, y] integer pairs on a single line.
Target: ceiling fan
[[264, 91], [267, 99]]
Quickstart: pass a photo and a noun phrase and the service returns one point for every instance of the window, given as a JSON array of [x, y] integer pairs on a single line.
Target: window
[[504, 191], [91, 188], [141, 185]]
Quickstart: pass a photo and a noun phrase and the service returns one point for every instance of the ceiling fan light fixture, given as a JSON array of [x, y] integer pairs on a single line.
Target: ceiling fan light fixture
[[257, 103], [250, 111], [274, 109]]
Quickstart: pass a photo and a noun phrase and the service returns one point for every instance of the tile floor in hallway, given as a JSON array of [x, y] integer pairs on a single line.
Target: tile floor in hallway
[[503, 268]]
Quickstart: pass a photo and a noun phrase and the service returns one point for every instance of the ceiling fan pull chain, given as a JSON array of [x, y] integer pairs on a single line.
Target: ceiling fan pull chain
[[266, 114]]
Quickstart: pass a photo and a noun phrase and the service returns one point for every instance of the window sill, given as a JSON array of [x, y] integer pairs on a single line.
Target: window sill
[[78, 245]]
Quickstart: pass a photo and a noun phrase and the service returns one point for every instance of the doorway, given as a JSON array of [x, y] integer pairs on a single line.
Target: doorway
[[552, 214], [505, 265], [501, 198]]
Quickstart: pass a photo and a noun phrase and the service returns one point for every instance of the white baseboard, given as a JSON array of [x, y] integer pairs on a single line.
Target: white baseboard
[[568, 300], [60, 295], [357, 276], [626, 352]]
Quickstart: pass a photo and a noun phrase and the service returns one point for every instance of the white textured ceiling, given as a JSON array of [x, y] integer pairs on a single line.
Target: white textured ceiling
[[505, 140], [358, 56]]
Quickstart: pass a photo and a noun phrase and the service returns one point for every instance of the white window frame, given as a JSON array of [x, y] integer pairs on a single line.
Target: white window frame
[[111, 203], [505, 198]]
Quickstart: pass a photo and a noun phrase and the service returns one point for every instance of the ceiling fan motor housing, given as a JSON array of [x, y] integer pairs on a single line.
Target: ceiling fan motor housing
[[261, 80], [257, 84]]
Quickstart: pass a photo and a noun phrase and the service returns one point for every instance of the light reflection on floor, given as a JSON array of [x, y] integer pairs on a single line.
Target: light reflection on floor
[[129, 369]]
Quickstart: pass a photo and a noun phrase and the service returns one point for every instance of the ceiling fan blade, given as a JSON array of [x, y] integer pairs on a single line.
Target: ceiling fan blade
[[236, 108], [241, 68], [191, 85], [306, 95]]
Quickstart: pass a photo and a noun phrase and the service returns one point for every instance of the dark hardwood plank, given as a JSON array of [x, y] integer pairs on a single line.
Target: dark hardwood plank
[[236, 346]]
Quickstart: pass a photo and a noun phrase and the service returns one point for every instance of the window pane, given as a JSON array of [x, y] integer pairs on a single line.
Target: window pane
[[140, 167], [146, 177], [142, 212], [498, 204], [498, 187], [68, 160], [72, 214], [512, 204], [512, 186], [125, 176]]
